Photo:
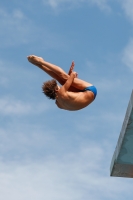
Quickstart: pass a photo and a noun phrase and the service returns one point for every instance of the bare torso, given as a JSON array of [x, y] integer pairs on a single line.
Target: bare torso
[[66, 98], [73, 100]]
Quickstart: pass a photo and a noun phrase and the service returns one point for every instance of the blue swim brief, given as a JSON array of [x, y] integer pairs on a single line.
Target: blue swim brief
[[91, 88]]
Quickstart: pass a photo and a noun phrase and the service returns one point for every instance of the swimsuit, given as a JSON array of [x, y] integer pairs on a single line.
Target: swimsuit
[[91, 88]]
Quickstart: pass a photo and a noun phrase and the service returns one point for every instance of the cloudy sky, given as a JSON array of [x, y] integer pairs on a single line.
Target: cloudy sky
[[52, 154]]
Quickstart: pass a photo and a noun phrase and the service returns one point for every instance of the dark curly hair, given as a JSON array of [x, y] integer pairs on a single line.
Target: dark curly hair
[[49, 87]]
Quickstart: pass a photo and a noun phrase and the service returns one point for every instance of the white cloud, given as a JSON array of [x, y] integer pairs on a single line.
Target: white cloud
[[12, 106], [128, 7], [24, 141], [17, 28], [76, 176], [9, 69], [4, 81], [102, 4], [128, 55], [22, 82], [14, 27], [106, 117], [9, 106]]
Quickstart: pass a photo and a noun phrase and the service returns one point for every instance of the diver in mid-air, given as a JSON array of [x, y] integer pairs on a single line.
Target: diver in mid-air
[[74, 94]]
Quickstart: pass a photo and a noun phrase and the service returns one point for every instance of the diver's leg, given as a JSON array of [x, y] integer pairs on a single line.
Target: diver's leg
[[50, 73], [56, 77], [77, 83], [57, 70]]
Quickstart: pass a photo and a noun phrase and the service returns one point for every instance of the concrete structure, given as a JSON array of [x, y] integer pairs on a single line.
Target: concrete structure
[[122, 161]]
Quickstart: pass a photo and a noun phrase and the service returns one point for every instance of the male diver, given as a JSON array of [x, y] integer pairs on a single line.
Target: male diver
[[74, 94]]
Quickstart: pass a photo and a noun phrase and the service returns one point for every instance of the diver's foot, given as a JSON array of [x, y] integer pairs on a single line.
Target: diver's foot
[[35, 59]]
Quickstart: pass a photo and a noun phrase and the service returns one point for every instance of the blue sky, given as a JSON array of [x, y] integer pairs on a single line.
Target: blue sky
[[52, 154]]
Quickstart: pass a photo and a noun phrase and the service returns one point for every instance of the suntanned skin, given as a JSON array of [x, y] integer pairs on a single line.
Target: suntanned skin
[[69, 95]]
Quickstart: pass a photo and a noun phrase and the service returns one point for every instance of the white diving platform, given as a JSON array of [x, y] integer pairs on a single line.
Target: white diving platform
[[122, 161]]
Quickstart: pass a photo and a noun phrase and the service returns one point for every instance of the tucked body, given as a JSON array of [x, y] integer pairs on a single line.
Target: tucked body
[[74, 94]]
